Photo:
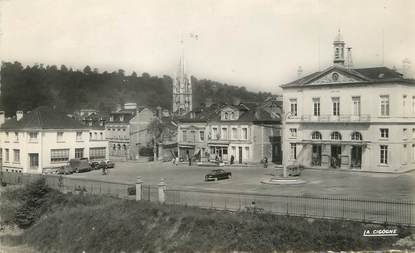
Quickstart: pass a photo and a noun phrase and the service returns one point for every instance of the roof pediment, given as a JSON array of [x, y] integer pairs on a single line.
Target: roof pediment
[[336, 74]]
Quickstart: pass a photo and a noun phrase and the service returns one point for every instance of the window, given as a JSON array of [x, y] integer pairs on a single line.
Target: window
[[234, 133], [356, 136], [6, 155], [184, 135], [293, 132], [413, 105], [405, 133], [34, 161], [59, 137], [224, 133], [245, 133], [293, 107], [232, 115], [78, 136], [111, 118], [101, 136], [79, 153], [97, 153], [215, 133], [316, 136], [356, 106], [95, 136], [336, 106], [7, 137], [121, 118], [384, 105], [383, 154], [404, 98], [32, 136], [59, 155], [413, 133], [413, 152], [16, 136], [202, 135], [316, 106], [124, 129], [293, 153], [404, 154], [16, 156], [336, 136], [226, 116], [90, 136], [384, 133]]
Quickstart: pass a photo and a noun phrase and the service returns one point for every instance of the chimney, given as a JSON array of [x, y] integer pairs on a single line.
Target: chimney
[[159, 114], [299, 72], [349, 58], [19, 115], [406, 67], [2, 117]]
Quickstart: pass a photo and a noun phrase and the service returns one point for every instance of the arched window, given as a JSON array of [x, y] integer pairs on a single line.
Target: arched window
[[336, 136], [125, 147], [114, 147], [356, 136], [226, 115], [316, 135], [119, 147], [232, 115]]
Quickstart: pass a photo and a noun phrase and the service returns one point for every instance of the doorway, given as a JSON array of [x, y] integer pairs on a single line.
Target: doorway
[[316, 155], [240, 154], [356, 157], [336, 151], [34, 160], [276, 153]]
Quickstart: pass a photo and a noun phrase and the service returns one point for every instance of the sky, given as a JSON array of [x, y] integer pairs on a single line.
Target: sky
[[258, 44]]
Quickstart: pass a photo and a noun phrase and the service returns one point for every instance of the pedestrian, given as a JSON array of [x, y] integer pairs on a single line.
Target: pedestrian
[[265, 162], [103, 170], [232, 159]]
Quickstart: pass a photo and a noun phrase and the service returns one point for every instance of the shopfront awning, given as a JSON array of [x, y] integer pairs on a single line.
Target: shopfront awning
[[331, 142], [186, 146]]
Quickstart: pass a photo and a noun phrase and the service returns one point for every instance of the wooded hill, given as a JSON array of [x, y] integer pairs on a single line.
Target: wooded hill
[[26, 87]]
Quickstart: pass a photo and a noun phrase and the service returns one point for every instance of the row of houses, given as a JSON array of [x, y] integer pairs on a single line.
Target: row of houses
[[341, 117]]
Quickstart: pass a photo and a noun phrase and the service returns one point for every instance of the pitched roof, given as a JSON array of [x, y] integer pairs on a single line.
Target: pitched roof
[[43, 117], [361, 75], [252, 113]]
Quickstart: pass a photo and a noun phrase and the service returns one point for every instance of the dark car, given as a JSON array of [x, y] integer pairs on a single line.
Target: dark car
[[217, 175], [94, 165], [110, 164], [79, 165]]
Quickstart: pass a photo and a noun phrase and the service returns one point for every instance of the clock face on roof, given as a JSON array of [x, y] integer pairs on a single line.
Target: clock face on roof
[[335, 76]]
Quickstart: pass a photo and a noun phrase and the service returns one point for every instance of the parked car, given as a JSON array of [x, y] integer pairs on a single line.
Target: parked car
[[110, 164], [79, 165], [94, 165], [218, 174], [65, 170]]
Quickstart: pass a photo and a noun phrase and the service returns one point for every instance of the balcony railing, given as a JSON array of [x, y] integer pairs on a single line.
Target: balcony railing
[[344, 118]]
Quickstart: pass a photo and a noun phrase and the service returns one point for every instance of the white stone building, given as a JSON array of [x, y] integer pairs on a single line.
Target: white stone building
[[350, 118], [45, 139]]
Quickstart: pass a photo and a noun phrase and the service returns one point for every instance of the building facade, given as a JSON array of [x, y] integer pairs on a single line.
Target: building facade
[[140, 136], [118, 133], [44, 139], [350, 118], [244, 133]]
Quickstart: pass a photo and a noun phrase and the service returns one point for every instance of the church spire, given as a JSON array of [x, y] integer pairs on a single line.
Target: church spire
[[182, 87], [338, 45]]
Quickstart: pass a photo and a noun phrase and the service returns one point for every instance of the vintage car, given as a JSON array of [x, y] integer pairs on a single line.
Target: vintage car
[[217, 175]]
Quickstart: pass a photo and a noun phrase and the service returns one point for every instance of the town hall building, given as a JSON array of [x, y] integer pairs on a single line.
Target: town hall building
[[350, 118]]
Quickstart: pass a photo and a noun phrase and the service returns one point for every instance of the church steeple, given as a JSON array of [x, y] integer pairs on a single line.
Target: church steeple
[[182, 88], [338, 45]]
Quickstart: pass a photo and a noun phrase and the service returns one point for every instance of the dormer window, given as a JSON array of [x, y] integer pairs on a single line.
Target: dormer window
[[226, 116], [121, 117], [232, 115], [111, 118]]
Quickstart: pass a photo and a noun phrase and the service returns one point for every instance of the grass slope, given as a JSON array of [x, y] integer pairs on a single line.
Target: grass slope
[[76, 223]]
